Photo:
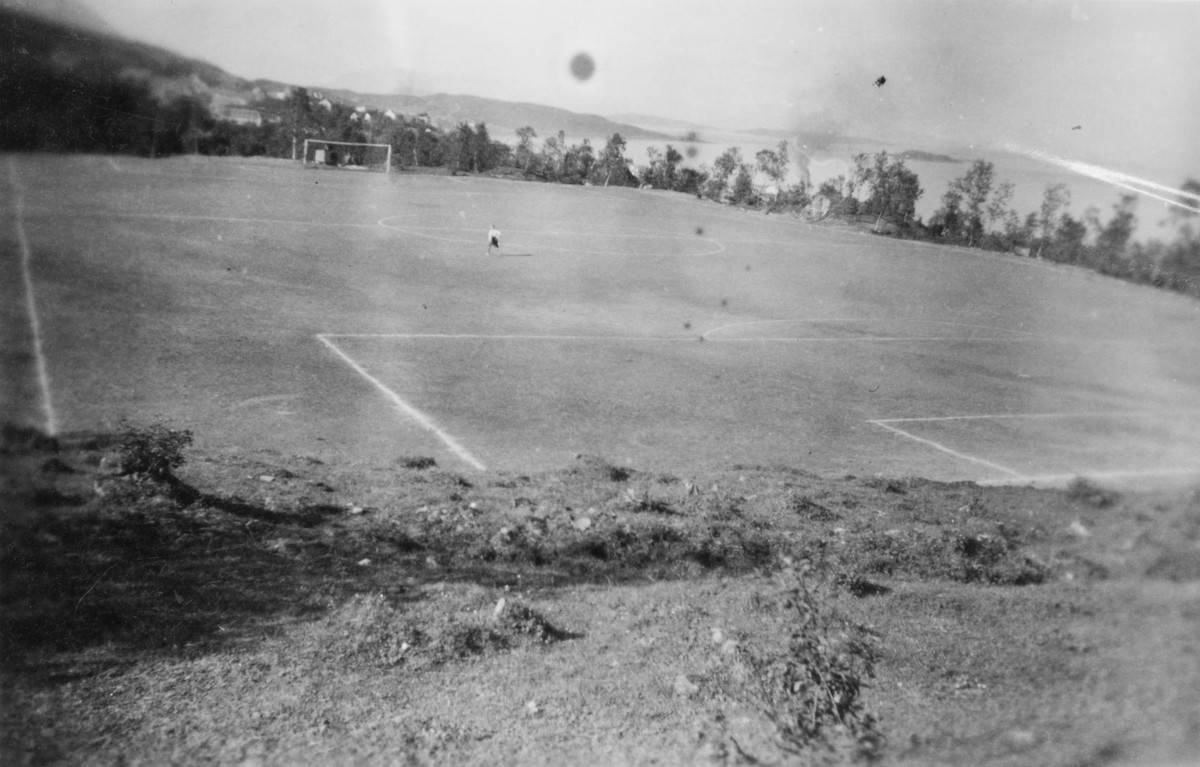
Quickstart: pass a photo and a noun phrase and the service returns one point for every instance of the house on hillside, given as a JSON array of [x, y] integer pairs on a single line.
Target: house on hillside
[[326, 104], [239, 115], [389, 114]]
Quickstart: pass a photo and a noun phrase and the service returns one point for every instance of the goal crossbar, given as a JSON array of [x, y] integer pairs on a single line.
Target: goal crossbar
[[387, 165]]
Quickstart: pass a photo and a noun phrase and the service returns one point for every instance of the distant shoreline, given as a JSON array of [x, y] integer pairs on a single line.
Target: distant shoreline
[[917, 154]]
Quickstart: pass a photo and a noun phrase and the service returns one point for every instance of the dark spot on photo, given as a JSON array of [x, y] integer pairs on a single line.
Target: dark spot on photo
[[583, 67]]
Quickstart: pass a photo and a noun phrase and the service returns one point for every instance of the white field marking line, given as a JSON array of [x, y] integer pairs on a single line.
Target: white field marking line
[[672, 339], [893, 322], [228, 219], [1032, 416], [51, 420], [425, 421], [871, 339], [511, 337], [1108, 474], [944, 449]]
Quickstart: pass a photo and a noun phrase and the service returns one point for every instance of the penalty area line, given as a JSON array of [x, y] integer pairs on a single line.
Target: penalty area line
[[404, 408], [35, 325], [1099, 476], [944, 449]]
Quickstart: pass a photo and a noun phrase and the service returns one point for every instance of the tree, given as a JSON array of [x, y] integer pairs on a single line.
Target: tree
[[774, 164], [1055, 199], [723, 169], [612, 163], [1188, 209], [553, 150], [524, 152], [948, 218], [975, 188], [651, 173], [692, 180], [671, 160], [742, 190], [894, 188], [833, 190], [1112, 238], [578, 161], [997, 207], [482, 154], [858, 178]]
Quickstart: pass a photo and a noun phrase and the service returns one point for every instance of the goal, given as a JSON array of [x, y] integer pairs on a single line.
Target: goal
[[347, 155]]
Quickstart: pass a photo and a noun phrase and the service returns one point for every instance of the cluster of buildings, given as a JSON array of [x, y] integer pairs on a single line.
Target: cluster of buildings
[[239, 113]]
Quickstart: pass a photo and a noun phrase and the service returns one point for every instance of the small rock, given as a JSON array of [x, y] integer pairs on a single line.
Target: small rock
[[266, 478], [496, 613], [532, 708], [583, 523], [1077, 528], [364, 562], [729, 648], [431, 562], [357, 509], [718, 636], [684, 687]]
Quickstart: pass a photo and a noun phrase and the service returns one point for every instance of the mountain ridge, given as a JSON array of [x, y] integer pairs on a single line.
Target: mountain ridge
[[72, 40]]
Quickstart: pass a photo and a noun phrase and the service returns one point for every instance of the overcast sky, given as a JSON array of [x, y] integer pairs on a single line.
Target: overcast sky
[[982, 73]]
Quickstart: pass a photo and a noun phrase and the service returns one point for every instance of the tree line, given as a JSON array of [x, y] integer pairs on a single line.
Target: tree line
[[976, 212], [49, 110]]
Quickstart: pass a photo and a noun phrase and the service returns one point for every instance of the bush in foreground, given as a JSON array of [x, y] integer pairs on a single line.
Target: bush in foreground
[[153, 451]]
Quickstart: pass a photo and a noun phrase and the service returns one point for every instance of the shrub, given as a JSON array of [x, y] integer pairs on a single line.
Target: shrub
[[153, 451], [813, 695]]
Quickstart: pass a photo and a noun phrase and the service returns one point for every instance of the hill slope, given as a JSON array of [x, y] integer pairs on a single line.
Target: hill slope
[[500, 116], [48, 51]]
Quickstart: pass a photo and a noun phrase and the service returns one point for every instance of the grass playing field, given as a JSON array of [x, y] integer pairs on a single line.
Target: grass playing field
[[356, 316], [312, 588]]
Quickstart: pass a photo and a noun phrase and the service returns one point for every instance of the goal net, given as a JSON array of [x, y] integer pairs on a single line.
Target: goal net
[[347, 155]]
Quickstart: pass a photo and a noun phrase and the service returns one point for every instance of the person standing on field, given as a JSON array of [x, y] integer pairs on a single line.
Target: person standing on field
[[493, 240]]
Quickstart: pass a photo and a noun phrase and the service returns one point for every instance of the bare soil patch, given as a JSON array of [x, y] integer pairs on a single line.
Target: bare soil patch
[[277, 609]]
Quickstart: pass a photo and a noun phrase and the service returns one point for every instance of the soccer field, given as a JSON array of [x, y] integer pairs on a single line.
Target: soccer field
[[356, 317]]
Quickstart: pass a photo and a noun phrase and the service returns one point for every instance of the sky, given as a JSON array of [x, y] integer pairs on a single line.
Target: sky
[[1103, 82]]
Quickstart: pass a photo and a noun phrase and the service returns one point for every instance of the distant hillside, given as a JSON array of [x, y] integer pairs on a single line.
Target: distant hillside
[[68, 84], [67, 88], [44, 45], [500, 116], [72, 13], [653, 122], [917, 154]]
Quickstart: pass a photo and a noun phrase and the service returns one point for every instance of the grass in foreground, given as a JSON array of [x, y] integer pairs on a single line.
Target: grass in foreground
[[273, 609]]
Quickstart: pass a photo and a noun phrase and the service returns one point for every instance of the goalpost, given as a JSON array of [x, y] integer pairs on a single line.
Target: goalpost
[[347, 155]]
